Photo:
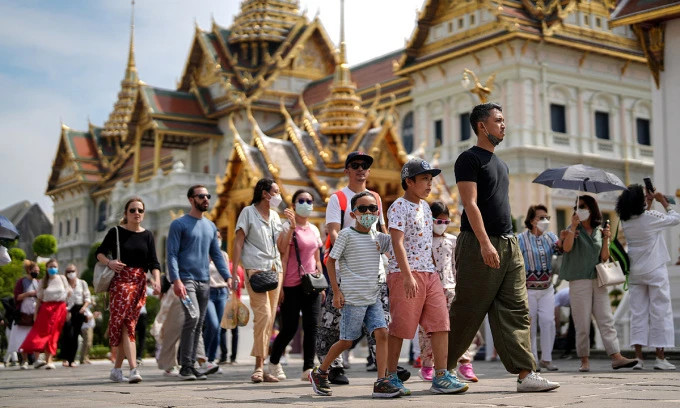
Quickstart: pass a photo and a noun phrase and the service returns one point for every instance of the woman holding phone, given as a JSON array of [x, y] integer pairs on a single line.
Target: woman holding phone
[[651, 313]]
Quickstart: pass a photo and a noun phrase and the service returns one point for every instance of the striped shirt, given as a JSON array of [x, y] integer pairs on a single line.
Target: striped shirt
[[358, 255], [537, 252]]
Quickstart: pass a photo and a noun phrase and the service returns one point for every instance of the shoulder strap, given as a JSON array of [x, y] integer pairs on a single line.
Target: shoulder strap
[[297, 252], [342, 200], [117, 243]]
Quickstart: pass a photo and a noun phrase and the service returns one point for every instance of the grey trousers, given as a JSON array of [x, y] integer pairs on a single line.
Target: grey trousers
[[199, 293]]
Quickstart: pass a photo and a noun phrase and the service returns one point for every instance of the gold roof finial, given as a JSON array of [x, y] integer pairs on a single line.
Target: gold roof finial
[[343, 115], [131, 71]]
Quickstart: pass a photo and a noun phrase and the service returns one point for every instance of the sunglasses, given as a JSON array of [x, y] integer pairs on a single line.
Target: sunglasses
[[302, 201], [440, 221], [582, 207], [364, 208], [203, 196], [136, 210], [545, 217], [356, 165], [70, 270]]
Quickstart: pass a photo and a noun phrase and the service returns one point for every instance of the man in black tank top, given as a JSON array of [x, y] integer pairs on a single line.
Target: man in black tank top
[[490, 275]]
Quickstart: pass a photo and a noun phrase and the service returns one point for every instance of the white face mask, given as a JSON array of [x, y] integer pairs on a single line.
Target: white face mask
[[71, 275], [543, 225], [304, 209], [275, 200], [583, 214], [439, 229]]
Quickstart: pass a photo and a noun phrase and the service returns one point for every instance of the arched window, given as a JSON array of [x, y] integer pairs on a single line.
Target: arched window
[[407, 132], [101, 216]]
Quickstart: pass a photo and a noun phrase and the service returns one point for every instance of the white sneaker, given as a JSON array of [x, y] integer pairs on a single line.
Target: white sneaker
[[117, 375], [49, 366], [208, 368], [39, 363], [535, 383], [173, 372], [277, 371], [305, 375], [640, 365], [24, 365], [134, 376], [663, 365]]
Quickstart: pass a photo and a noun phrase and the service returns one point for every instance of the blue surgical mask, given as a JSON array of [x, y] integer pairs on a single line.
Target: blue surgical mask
[[367, 220], [52, 271], [304, 209]]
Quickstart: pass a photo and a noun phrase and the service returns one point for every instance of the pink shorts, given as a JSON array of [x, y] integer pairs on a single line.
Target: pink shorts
[[427, 308]]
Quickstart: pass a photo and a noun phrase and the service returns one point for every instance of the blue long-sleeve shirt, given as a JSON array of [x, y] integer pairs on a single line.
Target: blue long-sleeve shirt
[[191, 243]]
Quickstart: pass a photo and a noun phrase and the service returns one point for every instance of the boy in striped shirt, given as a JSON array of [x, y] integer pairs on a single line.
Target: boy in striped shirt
[[357, 250]]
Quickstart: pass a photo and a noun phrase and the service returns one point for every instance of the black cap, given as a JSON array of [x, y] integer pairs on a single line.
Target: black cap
[[358, 156], [414, 167]]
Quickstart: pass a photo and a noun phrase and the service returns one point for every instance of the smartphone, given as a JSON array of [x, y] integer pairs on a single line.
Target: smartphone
[[606, 224], [648, 185], [670, 199]]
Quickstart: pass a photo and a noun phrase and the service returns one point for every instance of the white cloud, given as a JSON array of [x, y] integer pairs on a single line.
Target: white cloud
[[66, 61]]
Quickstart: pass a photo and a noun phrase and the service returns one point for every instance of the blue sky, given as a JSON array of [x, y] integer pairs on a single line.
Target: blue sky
[[64, 60]]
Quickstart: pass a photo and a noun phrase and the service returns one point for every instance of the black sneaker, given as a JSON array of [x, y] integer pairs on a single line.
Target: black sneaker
[[383, 388], [186, 374], [403, 374], [197, 374], [336, 375], [320, 382]]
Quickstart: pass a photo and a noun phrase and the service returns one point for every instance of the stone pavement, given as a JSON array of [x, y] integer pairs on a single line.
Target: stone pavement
[[88, 385]]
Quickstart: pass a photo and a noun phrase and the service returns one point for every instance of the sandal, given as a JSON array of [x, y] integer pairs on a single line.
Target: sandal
[[624, 363], [256, 377], [270, 378]]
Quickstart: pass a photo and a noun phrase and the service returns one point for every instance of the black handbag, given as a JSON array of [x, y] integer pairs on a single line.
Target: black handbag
[[312, 284], [264, 281]]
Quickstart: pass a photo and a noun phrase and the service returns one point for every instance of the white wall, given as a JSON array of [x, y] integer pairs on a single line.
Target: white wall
[[666, 126]]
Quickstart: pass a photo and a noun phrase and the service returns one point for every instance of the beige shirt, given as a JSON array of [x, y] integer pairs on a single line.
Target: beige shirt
[[81, 294], [216, 280], [58, 290], [259, 248]]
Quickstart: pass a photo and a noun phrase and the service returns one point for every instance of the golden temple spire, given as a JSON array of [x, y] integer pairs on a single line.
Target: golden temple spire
[[261, 24], [131, 71], [116, 126], [343, 115]]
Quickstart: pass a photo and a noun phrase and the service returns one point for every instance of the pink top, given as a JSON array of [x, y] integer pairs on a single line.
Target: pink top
[[309, 242]]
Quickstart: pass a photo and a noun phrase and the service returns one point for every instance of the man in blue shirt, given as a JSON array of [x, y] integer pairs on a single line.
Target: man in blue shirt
[[192, 242]]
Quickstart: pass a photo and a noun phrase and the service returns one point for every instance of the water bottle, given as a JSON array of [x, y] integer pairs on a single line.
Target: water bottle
[[186, 301]]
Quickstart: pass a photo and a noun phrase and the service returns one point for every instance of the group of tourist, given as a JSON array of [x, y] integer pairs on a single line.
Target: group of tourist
[[388, 281]]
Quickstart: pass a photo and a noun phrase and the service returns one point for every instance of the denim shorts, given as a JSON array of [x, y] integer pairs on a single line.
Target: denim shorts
[[354, 317]]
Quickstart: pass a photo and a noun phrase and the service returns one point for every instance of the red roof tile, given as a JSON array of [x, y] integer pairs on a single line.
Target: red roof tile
[[172, 104]]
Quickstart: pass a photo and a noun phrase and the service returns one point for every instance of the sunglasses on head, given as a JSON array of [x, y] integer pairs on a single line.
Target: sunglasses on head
[[357, 164], [364, 208], [545, 217], [302, 201], [440, 221], [203, 196], [136, 210]]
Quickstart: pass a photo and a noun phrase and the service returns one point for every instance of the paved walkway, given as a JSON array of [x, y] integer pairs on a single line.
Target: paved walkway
[[89, 386]]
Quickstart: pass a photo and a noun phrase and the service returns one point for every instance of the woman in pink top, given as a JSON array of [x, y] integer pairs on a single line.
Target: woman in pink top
[[294, 298]]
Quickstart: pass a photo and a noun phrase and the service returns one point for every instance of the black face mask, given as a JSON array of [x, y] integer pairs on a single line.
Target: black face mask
[[34, 275]]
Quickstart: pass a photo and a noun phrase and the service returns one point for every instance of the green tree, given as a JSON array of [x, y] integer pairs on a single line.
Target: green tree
[[17, 254], [45, 245], [9, 274]]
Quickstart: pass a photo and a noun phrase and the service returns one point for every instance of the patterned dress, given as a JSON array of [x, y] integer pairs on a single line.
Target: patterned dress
[[127, 296]]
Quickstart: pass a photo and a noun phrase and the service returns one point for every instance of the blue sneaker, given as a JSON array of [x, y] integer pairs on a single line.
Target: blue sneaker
[[394, 380], [447, 384]]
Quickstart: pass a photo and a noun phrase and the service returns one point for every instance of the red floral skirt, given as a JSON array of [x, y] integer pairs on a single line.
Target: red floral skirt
[[45, 332], [127, 295]]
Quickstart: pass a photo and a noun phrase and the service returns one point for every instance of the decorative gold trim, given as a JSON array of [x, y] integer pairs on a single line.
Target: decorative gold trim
[[656, 14]]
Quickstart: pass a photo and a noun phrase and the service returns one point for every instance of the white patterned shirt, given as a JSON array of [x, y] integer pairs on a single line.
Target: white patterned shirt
[[415, 221]]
